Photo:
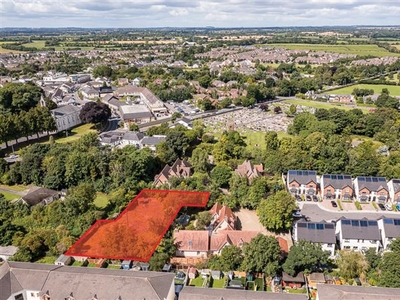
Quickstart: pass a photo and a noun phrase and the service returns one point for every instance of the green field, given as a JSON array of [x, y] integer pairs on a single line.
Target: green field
[[39, 44], [17, 188], [394, 90], [101, 200], [317, 104], [9, 196], [76, 133], [361, 50]]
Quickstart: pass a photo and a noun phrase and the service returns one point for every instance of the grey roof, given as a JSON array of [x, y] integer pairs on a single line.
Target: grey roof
[[133, 136], [396, 185], [84, 283], [337, 181], [372, 183], [37, 195], [190, 293], [391, 227], [319, 232], [65, 110], [360, 229], [63, 259], [8, 250], [301, 176], [153, 140], [346, 292]]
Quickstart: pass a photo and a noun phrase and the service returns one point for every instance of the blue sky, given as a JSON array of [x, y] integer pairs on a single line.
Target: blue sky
[[193, 13]]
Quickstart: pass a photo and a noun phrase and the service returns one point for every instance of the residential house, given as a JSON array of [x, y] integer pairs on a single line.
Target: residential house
[[222, 218], [371, 189], [335, 186], [390, 230], [297, 281], [359, 235], [230, 237], [348, 292], [394, 190], [89, 92], [66, 117], [247, 169], [301, 182], [180, 168], [190, 293], [40, 196], [112, 101], [346, 99], [192, 243], [6, 252], [152, 141], [28, 281], [322, 233], [64, 260]]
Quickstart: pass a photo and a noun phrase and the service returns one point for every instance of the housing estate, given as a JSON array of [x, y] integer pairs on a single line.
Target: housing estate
[[180, 168], [358, 234], [322, 233], [371, 189], [302, 182], [23, 281], [335, 186]]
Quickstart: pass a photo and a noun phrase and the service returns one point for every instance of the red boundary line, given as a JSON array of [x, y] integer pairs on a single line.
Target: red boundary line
[[135, 199]]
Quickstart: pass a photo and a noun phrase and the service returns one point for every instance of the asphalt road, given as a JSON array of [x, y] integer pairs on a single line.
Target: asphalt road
[[316, 213]]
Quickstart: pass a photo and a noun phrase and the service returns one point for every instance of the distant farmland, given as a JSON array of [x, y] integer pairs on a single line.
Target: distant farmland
[[361, 50], [394, 90]]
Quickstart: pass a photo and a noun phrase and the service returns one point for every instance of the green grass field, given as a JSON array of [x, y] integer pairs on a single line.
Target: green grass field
[[17, 188], [9, 196], [76, 133], [316, 104], [101, 200], [361, 50], [394, 90], [218, 283], [36, 43]]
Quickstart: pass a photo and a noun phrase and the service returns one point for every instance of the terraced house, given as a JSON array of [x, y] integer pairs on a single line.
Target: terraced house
[[302, 182]]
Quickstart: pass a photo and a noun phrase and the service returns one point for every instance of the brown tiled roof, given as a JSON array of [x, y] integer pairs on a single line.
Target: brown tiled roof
[[195, 240]]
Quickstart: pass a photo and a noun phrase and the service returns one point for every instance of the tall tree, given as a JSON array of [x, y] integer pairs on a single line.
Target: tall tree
[[352, 264], [275, 213], [94, 112], [262, 254], [303, 256]]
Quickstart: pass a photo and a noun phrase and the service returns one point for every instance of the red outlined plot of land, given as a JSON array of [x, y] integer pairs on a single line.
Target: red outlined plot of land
[[138, 230]]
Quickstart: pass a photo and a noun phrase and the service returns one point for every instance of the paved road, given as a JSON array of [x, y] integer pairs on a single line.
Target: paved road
[[317, 213]]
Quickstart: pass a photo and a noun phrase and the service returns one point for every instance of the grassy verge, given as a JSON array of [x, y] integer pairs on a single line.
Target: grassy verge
[[375, 205], [358, 205], [340, 204]]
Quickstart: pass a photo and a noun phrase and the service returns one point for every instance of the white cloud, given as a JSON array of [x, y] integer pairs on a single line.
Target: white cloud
[[154, 13]]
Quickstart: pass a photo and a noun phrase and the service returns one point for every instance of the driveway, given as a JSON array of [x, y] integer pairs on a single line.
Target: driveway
[[248, 220], [318, 212]]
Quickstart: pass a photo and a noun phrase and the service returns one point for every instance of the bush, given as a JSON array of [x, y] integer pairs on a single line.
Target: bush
[[358, 205]]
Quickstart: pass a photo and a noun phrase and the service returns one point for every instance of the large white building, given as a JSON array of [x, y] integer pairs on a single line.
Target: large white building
[[66, 117]]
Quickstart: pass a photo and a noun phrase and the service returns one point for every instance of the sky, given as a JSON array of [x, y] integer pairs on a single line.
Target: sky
[[196, 13]]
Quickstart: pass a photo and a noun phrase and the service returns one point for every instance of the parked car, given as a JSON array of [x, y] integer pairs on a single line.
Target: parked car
[[297, 214], [308, 198], [315, 198], [388, 207], [333, 203], [298, 198], [381, 206]]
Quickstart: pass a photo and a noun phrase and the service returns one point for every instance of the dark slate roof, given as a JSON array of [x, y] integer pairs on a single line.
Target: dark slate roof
[[391, 227], [84, 283], [337, 181], [190, 293], [298, 278], [153, 140], [372, 183], [360, 229], [347, 292], [64, 110], [37, 195], [133, 136], [301, 176], [320, 232]]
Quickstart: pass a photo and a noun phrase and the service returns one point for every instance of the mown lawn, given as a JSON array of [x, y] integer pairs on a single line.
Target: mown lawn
[[198, 281], [317, 104], [76, 133], [394, 90], [361, 50], [101, 200], [9, 196], [218, 283]]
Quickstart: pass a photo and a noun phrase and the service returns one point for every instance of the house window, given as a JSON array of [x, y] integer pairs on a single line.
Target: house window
[[346, 247], [355, 248], [198, 252], [328, 191], [19, 297], [329, 245], [347, 241], [373, 242]]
